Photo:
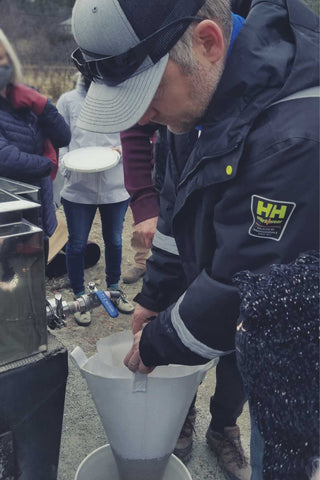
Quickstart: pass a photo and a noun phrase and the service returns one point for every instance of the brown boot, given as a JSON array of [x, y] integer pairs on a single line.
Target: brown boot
[[133, 275], [229, 452], [184, 444]]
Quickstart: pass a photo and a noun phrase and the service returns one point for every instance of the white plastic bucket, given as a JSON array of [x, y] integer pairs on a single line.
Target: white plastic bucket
[[100, 465]]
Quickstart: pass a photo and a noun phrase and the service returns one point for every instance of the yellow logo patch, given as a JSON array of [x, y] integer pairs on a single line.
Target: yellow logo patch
[[270, 217]]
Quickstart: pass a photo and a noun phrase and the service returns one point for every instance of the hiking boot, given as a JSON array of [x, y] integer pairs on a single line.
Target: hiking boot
[[121, 303], [83, 319], [229, 452], [133, 275], [184, 444]]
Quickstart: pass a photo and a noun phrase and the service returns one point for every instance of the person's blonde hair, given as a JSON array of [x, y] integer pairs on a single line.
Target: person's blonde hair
[[217, 10], [15, 62]]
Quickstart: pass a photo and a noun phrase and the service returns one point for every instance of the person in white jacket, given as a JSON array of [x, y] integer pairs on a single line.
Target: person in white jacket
[[83, 193]]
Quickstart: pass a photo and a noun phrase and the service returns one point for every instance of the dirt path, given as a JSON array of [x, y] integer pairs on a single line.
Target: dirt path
[[82, 430]]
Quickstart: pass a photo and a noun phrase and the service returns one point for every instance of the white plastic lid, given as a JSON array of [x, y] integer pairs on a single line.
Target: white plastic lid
[[91, 159]]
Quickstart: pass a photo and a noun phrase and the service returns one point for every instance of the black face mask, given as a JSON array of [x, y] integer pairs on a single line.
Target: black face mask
[[5, 75]]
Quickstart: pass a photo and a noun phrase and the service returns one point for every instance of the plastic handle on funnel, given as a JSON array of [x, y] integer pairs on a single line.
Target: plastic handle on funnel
[[79, 357], [140, 381], [107, 304]]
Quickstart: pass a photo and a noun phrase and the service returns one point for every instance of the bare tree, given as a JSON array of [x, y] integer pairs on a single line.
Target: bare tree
[[36, 31]]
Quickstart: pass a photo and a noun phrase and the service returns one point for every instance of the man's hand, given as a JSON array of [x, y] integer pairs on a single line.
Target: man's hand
[[140, 316], [145, 230], [22, 96], [132, 359]]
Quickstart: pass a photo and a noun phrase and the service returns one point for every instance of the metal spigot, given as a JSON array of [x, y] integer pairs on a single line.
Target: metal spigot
[[57, 309], [55, 313], [92, 287]]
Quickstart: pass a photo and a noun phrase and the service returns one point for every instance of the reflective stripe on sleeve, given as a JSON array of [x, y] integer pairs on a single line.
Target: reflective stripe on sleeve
[[188, 339], [165, 242]]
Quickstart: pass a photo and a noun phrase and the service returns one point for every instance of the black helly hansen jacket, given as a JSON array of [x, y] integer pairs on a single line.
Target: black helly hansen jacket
[[247, 196]]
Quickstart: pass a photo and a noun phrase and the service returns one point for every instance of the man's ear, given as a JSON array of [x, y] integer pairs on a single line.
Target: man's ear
[[209, 41]]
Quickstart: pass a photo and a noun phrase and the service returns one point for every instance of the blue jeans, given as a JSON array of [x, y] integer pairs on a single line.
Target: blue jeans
[[256, 451], [79, 218]]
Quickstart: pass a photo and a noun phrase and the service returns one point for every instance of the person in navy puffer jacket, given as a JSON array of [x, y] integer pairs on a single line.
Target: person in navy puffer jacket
[[31, 129]]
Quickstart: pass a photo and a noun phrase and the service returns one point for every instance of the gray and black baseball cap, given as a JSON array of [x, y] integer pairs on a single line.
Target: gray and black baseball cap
[[123, 48]]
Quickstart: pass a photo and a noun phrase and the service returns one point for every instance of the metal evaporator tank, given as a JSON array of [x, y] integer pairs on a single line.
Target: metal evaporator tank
[[22, 274]]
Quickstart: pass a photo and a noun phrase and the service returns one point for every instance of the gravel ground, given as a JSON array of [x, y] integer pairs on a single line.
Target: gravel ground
[[82, 429]]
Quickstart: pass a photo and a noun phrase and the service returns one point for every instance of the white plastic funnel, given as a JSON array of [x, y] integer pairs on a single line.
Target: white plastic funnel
[[141, 414]]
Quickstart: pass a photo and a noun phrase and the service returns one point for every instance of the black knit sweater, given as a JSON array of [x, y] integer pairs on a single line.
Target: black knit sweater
[[278, 356]]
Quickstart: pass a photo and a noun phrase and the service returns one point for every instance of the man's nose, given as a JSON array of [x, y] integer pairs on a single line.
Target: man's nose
[[147, 117]]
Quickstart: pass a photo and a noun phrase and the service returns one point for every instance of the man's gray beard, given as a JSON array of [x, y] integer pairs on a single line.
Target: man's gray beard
[[188, 129], [203, 83]]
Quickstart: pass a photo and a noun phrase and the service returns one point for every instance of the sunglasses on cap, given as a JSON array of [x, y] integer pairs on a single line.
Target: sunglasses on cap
[[115, 69]]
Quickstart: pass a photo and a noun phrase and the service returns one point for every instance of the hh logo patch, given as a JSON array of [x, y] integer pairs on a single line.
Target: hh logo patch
[[270, 217]]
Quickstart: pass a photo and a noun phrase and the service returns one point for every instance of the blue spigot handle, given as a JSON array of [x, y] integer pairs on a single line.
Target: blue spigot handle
[[107, 304]]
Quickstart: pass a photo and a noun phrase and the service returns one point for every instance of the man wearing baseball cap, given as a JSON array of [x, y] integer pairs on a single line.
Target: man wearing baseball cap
[[245, 196]]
